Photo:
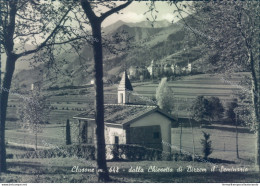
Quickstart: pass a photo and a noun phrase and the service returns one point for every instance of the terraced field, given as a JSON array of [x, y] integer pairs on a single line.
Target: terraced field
[[192, 86], [188, 88]]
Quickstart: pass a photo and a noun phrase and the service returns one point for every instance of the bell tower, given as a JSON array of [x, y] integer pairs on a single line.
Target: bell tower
[[124, 89]]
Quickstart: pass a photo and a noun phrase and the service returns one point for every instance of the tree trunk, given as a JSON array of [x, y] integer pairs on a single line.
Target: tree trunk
[[10, 66], [193, 142], [36, 141], [180, 124], [181, 140], [99, 103], [237, 138]]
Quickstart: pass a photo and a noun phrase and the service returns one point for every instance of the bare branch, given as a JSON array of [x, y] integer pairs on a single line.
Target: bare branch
[[88, 10], [22, 5], [47, 39], [65, 42], [114, 10]]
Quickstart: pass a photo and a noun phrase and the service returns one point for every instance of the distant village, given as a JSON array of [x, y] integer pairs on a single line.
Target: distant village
[[155, 70]]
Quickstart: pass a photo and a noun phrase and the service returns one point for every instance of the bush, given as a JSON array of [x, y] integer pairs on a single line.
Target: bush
[[206, 145], [182, 157], [81, 151], [137, 153], [115, 152]]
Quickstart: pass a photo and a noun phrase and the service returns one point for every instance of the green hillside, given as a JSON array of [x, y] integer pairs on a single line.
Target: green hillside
[[164, 43]]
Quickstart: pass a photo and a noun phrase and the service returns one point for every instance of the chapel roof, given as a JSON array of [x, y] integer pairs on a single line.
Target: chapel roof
[[122, 114]]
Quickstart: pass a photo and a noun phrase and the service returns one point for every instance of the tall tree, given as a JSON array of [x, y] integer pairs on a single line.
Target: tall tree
[[164, 96], [95, 23], [34, 113], [33, 29], [200, 109], [216, 109], [230, 112], [245, 108]]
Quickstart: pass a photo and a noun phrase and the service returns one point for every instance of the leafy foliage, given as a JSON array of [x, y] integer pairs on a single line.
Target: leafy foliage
[[80, 151], [34, 112], [233, 25], [200, 109], [206, 145], [216, 109], [245, 108], [230, 112], [207, 108], [138, 153], [164, 96]]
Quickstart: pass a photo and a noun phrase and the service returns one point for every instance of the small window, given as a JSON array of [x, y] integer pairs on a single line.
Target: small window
[[156, 135]]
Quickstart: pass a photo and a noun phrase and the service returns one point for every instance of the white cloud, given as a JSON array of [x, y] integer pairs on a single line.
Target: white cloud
[[132, 17], [169, 17]]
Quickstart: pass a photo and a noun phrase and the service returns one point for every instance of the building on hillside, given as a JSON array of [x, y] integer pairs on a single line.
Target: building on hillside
[[167, 69], [177, 69], [151, 68], [173, 68], [138, 72], [189, 68], [155, 70], [128, 123]]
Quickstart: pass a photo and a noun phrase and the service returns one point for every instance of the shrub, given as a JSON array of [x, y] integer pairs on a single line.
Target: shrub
[[136, 153], [206, 145], [115, 151], [81, 151], [182, 157]]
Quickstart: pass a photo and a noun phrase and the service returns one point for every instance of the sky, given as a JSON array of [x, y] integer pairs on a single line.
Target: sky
[[135, 13]]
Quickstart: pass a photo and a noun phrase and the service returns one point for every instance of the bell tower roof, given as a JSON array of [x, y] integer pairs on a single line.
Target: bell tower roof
[[125, 83]]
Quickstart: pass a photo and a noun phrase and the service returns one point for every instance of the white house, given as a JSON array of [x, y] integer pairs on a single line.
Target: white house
[[189, 68], [151, 68], [127, 123], [167, 68]]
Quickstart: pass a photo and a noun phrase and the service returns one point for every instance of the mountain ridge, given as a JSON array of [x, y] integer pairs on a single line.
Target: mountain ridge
[[149, 44]]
